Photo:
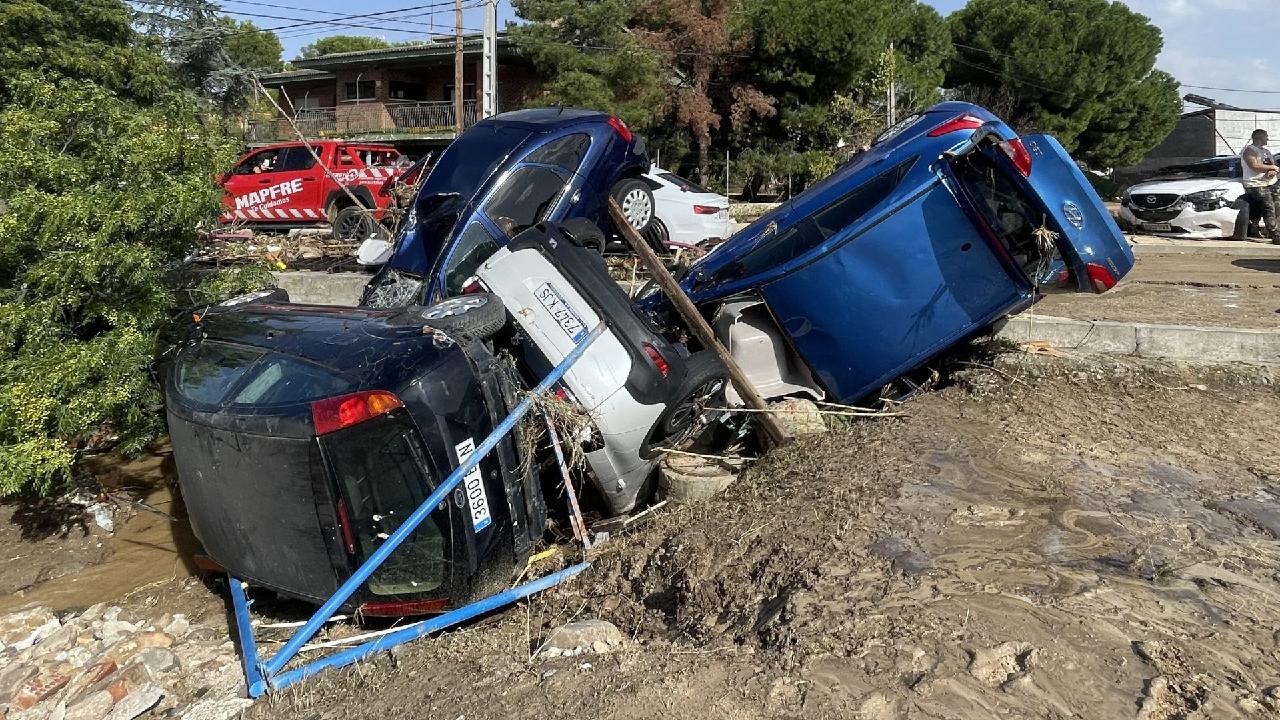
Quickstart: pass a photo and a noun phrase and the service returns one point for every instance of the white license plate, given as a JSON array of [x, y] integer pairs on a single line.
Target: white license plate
[[564, 315], [1157, 227], [473, 482], [724, 213]]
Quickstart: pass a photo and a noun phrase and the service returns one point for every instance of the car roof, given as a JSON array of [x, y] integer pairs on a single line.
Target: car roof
[[546, 118]]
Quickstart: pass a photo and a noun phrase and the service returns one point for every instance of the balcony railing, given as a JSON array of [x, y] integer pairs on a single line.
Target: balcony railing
[[353, 120]]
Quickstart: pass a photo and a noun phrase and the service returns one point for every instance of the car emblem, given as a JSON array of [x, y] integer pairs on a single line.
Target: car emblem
[[1152, 199], [1074, 216]]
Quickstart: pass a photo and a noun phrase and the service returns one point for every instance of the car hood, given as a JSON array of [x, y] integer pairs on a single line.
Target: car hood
[[1182, 187]]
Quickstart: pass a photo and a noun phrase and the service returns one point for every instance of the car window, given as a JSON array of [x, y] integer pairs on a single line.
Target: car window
[[474, 247], [383, 474], [206, 372], [259, 162], [294, 159], [279, 379], [683, 183], [566, 152], [813, 230], [346, 157], [525, 197]]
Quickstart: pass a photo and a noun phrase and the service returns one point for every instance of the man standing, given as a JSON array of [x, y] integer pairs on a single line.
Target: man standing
[[1260, 174]]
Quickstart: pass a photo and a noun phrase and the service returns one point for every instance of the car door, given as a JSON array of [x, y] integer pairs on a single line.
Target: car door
[[881, 279], [301, 184], [245, 180]]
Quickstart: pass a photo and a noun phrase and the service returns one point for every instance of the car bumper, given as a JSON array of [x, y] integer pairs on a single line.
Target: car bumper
[[1188, 223], [700, 229]]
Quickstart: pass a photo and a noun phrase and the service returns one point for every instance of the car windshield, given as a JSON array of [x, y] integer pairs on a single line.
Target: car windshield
[[467, 162], [683, 183], [213, 373]]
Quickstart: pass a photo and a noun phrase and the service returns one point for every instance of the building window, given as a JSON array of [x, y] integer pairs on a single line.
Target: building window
[[468, 92], [361, 90], [400, 90]]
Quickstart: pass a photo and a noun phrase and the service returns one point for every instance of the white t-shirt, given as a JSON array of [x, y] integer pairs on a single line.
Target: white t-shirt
[[1256, 178]]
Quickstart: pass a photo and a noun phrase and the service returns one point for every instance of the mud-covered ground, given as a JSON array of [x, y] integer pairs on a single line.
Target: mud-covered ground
[[1058, 539]]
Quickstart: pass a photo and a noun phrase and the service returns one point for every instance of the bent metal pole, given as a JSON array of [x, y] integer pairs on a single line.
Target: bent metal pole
[[273, 666]]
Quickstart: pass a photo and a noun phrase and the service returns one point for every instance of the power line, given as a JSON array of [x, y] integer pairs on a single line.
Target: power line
[[1235, 90]]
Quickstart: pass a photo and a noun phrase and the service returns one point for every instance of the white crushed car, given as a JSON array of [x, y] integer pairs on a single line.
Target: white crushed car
[[687, 214], [1202, 200]]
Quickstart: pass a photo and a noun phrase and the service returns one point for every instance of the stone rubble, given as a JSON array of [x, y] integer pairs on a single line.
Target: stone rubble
[[106, 663], [581, 637]]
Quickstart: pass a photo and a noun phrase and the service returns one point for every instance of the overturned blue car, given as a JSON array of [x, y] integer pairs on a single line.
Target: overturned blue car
[[949, 222]]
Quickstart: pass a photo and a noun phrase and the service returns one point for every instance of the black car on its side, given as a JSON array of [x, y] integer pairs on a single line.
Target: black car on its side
[[304, 435]]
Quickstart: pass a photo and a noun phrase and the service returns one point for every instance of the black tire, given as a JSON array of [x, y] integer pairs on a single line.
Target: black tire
[[352, 223], [658, 236], [584, 233], [636, 200], [476, 316], [704, 383]]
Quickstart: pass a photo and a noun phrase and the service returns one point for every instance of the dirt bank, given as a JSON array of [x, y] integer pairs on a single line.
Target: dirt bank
[[1058, 540]]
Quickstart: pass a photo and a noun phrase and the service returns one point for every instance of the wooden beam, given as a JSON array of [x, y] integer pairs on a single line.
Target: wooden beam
[[774, 432]]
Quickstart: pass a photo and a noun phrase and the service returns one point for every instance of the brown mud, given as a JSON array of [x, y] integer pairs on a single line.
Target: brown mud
[[1053, 540]]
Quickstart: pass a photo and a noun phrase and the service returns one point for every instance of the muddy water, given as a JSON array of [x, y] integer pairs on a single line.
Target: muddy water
[[146, 548]]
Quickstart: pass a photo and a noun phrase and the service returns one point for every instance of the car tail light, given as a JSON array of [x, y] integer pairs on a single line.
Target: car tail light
[[658, 361], [402, 608], [617, 124], [705, 210], [336, 413], [344, 527], [1100, 277], [962, 122], [1017, 152]]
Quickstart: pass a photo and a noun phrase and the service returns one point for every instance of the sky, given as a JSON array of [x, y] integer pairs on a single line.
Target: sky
[[1213, 43]]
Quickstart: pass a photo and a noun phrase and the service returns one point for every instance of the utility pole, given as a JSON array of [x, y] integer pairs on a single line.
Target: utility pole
[[457, 67], [892, 90], [489, 103]]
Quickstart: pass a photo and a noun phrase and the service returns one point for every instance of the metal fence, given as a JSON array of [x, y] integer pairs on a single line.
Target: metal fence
[[373, 118]]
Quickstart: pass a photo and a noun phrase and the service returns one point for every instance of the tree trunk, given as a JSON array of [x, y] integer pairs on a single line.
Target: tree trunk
[[704, 163]]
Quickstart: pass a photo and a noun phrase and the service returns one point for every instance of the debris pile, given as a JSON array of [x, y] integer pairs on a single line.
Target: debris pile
[[108, 664], [276, 249]]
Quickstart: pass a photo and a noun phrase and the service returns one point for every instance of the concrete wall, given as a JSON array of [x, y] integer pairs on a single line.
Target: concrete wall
[[319, 288], [1236, 126], [1192, 139]]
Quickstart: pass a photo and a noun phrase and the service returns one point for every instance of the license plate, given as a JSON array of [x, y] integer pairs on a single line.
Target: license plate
[[564, 315], [724, 213], [1157, 227], [473, 482]]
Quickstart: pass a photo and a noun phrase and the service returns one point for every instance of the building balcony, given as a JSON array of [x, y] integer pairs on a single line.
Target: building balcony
[[369, 120]]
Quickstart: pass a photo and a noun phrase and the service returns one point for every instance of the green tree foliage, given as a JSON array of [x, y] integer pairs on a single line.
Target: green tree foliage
[[592, 59], [343, 43], [1082, 70], [109, 170], [250, 47]]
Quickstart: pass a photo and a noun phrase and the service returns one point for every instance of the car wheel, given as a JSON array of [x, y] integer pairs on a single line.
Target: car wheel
[[636, 200], [584, 233], [475, 316], [658, 237], [703, 387], [352, 223]]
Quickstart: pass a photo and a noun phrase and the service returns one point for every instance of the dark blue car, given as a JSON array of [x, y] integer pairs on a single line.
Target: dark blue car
[[503, 175], [946, 224]]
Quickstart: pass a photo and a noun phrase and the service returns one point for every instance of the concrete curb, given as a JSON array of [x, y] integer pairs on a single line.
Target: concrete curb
[[321, 288], [1169, 342]]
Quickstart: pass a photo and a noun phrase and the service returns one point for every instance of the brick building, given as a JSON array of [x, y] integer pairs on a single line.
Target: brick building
[[401, 95], [1217, 129]]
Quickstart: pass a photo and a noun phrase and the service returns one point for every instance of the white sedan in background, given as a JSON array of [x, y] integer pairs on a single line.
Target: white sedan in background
[[687, 214], [1202, 200]]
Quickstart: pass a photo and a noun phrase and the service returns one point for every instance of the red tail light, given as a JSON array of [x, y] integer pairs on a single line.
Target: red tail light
[[705, 209], [401, 609], [336, 413], [617, 124], [962, 122], [1100, 277], [658, 361], [344, 527], [1017, 152]]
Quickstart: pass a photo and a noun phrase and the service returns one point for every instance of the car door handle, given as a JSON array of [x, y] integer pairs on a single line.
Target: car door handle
[[264, 181]]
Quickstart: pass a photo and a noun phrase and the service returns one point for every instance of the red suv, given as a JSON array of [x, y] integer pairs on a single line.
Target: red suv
[[284, 185]]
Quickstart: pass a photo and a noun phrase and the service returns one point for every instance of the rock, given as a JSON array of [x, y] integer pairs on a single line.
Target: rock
[[79, 656], [64, 638], [39, 688], [111, 614], [122, 651], [220, 709], [90, 677], [136, 703], [581, 636], [307, 252], [157, 660], [799, 416], [153, 639], [12, 676], [25, 628], [113, 630], [95, 706], [178, 626]]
